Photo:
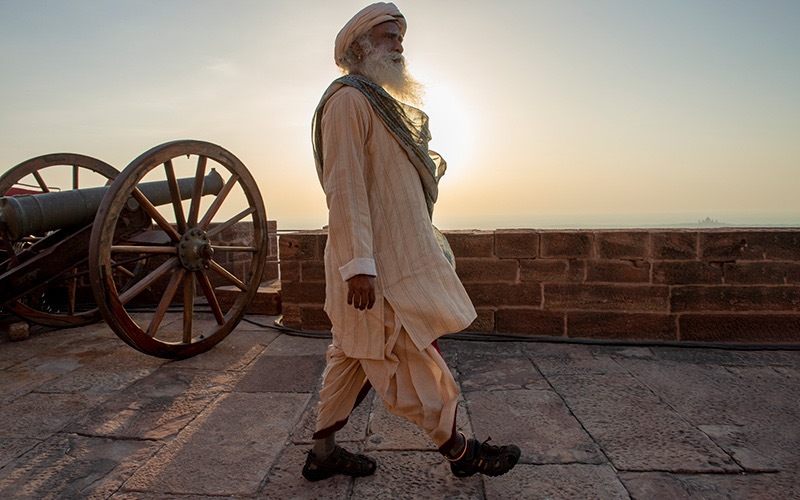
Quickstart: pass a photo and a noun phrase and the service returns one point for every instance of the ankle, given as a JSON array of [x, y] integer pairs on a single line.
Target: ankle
[[458, 450]]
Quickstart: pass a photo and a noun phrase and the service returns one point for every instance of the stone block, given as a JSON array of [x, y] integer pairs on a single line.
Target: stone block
[[299, 246], [484, 322], [757, 273], [750, 245], [312, 271], [622, 244], [72, 466], [542, 270], [618, 271], [480, 371], [270, 272], [246, 433], [553, 436], [636, 429], [291, 316], [282, 374], [557, 481], [566, 244], [302, 293], [412, 475], [18, 331], [529, 321], [686, 272], [661, 485], [267, 300], [315, 319], [487, 270], [471, 244], [290, 270], [674, 245], [713, 298], [504, 294], [516, 243], [741, 327], [614, 325], [603, 297]]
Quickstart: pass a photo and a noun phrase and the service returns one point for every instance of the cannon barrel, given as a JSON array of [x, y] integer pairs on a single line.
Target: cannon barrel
[[30, 214]]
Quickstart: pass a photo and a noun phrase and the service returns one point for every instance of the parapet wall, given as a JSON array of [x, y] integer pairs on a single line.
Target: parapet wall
[[718, 285]]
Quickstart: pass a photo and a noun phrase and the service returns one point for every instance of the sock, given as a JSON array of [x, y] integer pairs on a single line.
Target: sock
[[324, 447], [457, 448]]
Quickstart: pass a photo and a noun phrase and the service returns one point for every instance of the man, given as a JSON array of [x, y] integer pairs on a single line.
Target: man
[[390, 290]]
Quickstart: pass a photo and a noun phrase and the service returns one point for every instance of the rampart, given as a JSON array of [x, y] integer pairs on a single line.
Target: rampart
[[710, 285]]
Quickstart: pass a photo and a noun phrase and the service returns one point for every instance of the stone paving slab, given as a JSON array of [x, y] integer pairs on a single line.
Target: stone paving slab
[[578, 481], [227, 450], [72, 466], [157, 407], [410, 475], [636, 429], [537, 421], [82, 415], [664, 486]]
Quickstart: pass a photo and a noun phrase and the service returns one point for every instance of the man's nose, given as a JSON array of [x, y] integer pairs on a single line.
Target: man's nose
[[398, 47]]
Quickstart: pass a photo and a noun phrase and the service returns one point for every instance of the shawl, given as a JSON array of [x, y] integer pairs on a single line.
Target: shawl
[[407, 124]]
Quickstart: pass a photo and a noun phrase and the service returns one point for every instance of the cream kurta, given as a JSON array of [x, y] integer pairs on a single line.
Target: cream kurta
[[379, 225]]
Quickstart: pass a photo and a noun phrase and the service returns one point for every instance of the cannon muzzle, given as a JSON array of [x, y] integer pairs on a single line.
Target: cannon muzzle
[[21, 216]]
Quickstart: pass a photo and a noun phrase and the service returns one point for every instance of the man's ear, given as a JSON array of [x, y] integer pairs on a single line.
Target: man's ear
[[358, 50]]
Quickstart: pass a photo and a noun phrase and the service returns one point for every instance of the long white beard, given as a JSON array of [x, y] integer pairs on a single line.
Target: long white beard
[[388, 69]]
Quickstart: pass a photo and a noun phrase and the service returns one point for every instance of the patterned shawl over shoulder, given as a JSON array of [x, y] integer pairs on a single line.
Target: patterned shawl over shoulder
[[407, 124]]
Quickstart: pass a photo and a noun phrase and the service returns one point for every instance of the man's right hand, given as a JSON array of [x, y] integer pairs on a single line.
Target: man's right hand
[[361, 291]]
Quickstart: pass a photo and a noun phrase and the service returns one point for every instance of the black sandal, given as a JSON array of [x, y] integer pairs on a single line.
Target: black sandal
[[340, 461], [484, 458]]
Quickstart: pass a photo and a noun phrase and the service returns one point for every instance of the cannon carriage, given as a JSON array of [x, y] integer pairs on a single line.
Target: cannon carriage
[[154, 236]]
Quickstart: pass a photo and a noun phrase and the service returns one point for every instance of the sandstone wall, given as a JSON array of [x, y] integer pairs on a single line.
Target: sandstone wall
[[721, 285]]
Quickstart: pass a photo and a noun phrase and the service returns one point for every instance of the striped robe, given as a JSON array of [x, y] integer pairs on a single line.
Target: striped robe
[[379, 225]]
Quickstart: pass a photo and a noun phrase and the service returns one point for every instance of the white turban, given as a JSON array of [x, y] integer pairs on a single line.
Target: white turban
[[369, 17]]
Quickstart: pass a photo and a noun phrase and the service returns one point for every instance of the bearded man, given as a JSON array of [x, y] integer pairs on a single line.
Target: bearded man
[[390, 290]]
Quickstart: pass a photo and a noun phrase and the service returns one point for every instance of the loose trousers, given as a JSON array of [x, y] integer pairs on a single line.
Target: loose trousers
[[415, 385]]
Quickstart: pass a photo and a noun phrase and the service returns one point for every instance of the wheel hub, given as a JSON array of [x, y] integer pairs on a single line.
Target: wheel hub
[[194, 250]]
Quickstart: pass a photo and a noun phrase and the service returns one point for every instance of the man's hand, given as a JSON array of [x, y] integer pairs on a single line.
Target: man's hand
[[361, 291]]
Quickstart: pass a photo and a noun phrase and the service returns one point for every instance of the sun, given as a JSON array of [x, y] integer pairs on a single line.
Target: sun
[[450, 124]]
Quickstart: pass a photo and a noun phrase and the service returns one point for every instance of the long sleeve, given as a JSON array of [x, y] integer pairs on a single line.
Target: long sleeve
[[345, 129]]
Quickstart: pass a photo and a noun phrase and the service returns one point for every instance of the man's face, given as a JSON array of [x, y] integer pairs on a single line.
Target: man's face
[[386, 37]]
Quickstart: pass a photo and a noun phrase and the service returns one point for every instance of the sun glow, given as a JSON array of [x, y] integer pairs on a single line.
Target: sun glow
[[451, 125]]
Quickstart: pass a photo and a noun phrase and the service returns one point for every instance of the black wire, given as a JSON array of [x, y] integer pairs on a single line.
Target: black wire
[[470, 336]]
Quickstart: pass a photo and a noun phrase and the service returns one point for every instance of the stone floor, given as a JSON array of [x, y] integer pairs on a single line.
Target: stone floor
[[85, 416]]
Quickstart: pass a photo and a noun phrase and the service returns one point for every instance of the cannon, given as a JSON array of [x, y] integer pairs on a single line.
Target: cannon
[[146, 241]]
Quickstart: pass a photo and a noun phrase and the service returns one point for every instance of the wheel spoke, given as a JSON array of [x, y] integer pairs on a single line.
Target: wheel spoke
[[208, 291], [156, 215], [148, 280], [143, 249], [228, 276], [122, 269], [197, 191], [188, 307], [235, 249], [71, 287], [175, 194], [228, 223], [74, 177], [165, 301], [40, 181], [212, 210]]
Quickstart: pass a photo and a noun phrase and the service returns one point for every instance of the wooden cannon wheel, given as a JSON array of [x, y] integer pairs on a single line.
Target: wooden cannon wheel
[[188, 257], [44, 174]]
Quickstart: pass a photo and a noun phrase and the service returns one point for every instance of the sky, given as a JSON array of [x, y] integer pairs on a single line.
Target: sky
[[551, 114]]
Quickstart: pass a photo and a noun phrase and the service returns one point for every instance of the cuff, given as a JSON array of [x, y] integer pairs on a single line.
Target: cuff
[[360, 265]]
